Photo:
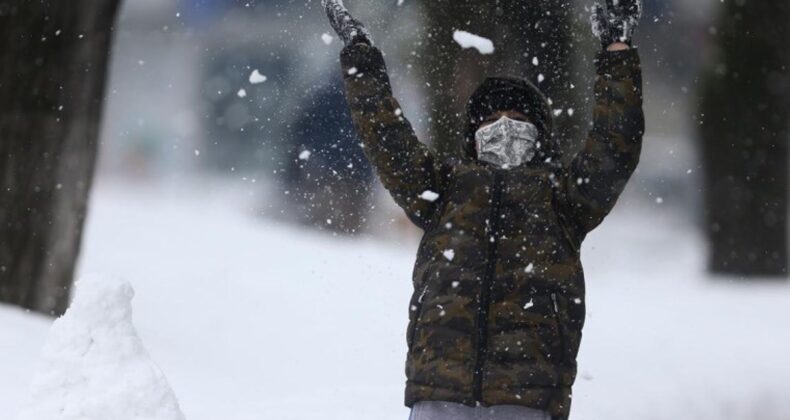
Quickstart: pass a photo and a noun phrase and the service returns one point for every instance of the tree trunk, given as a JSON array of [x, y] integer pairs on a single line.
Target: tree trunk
[[532, 40], [54, 63], [744, 130]]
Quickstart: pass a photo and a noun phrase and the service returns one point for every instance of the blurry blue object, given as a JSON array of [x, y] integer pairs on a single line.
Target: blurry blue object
[[656, 7], [198, 12], [327, 177], [326, 131]]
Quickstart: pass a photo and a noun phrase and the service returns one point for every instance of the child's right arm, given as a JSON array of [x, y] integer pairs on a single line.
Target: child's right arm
[[408, 169]]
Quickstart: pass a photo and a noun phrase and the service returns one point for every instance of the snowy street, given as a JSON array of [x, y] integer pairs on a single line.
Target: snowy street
[[235, 308]]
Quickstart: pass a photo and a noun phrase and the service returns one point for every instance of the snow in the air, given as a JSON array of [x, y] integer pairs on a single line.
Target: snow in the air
[[304, 155], [529, 268], [449, 254], [429, 195], [256, 77], [327, 38], [470, 40], [94, 365], [241, 93]]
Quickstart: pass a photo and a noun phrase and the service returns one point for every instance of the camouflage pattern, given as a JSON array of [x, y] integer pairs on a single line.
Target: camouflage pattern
[[498, 320]]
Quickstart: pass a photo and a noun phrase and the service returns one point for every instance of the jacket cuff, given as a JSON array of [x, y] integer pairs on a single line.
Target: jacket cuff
[[618, 65], [364, 64]]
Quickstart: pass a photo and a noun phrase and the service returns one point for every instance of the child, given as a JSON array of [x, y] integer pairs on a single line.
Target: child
[[498, 306]]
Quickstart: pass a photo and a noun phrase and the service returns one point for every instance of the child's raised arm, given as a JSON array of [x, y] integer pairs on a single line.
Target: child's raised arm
[[598, 173], [408, 169]]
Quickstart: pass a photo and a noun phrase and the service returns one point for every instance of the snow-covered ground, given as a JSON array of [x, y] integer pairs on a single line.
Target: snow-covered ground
[[250, 319]]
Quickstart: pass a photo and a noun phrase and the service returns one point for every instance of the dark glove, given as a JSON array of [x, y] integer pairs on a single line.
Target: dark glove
[[350, 30], [616, 21]]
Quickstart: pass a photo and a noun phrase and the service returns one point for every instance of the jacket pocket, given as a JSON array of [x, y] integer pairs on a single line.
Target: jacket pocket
[[415, 310], [561, 331]]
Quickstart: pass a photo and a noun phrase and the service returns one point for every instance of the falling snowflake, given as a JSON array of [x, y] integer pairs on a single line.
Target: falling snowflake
[[429, 195], [470, 40], [256, 77]]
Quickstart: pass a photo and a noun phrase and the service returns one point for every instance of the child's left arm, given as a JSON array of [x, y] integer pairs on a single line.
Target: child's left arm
[[598, 173]]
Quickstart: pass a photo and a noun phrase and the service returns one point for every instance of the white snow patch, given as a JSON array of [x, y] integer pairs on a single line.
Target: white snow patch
[[94, 365], [213, 274], [256, 77], [470, 40], [449, 254], [529, 304], [429, 195]]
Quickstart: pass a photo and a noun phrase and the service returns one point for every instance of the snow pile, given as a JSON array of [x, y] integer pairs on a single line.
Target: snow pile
[[470, 40], [94, 364]]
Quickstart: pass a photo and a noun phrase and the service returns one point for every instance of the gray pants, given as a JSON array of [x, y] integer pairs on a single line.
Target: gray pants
[[444, 410]]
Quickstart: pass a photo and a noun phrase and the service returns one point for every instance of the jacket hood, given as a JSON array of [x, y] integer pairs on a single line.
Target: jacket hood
[[504, 93]]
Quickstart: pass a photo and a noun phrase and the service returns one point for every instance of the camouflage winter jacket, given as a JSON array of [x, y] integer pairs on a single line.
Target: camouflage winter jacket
[[498, 303]]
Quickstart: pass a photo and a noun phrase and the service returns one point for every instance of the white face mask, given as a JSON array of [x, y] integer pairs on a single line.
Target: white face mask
[[506, 143]]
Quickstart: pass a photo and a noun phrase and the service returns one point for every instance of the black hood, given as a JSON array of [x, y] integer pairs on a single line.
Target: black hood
[[510, 94]]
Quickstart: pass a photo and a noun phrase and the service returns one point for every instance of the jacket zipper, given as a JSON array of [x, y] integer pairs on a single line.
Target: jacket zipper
[[485, 287]]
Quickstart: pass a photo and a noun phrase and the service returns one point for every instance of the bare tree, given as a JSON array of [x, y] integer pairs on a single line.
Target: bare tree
[[54, 64], [744, 131]]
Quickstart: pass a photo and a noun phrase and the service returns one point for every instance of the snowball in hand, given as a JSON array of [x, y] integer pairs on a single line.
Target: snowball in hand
[[94, 365], [470, 40]]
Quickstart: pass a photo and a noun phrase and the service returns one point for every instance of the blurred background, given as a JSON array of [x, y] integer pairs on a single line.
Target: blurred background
[[202, 151]]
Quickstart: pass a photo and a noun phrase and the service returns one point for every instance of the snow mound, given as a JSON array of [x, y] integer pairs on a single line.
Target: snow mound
[[94, 365], [470, 40]]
